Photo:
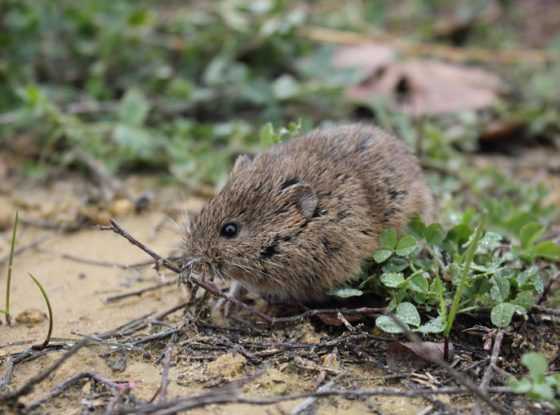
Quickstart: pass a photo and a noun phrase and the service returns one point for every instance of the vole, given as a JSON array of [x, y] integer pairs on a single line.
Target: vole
[[299, 219]]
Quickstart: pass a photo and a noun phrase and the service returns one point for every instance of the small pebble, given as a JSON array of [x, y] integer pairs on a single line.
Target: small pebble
[[31, 317]]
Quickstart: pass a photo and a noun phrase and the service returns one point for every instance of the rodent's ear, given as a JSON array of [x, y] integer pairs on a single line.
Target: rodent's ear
[[241, 162], [304, 197]]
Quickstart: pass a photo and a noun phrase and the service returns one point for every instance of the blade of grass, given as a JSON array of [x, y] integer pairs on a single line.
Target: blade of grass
[[49, 308], [469, 256], [10, 265]]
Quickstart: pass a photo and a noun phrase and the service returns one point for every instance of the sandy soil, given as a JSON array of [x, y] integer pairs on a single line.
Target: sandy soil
[[77, 292]]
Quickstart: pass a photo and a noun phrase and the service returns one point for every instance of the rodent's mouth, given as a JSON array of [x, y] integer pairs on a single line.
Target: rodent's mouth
[[198, 268]]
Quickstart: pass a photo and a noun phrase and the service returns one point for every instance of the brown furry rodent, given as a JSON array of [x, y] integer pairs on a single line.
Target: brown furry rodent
[[299, 219]]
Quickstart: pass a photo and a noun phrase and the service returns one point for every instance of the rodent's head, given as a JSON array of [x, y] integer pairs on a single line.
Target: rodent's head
[[244, 232]]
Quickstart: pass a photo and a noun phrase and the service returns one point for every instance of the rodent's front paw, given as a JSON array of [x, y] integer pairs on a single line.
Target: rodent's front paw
[[224, 306]]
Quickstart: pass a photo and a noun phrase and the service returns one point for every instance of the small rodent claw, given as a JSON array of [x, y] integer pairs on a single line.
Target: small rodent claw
[[224, 306]]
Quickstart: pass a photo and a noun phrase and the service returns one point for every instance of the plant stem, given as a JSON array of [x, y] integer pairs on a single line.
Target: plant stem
[[49, 308], [469, 256], [10, 266]]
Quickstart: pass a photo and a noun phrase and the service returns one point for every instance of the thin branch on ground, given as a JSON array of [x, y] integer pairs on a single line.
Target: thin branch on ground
[[105, 264], [87, 261], [230, 396], [28, 386], [366, 311], [546, 310], [161, 393], [308, 404], [157, 336], [54, 226], [137, 293], [115, 227], [548, 288], [22, 249], [456, 375], [60, 388], [489, 372]]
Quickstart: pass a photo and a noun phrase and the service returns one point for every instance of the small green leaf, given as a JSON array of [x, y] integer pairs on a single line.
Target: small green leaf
[[267, 136], [382, 255], [346, 292], [417, 227], [530, 233], [407, 313], [392, 279], [434, 234], [500, 289], [285, 87], [437, 286], [436, 325], [395, 264], [137, 142], [536, 363], [387, 325], [406, 246], [522, 385], [502, 314], [548, 250], [525, 299], [459, 234], [543, 391], [133, 108], [489, 242], [419, 283], [517, 221], [388, 239]]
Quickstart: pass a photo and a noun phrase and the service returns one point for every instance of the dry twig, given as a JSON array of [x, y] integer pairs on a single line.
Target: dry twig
[[456, 375], [28, 386], [229, 396], [59, 389], [489, 372], [115, 227], [137, 293]]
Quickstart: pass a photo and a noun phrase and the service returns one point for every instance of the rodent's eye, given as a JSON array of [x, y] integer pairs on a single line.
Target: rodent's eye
[[229, 230]]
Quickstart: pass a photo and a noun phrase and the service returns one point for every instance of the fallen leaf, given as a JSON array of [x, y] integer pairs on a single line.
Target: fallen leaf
[[420, 86], [367, 58], [415, 355]]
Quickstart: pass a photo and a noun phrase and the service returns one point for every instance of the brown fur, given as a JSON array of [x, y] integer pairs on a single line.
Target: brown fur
[[310, 210]]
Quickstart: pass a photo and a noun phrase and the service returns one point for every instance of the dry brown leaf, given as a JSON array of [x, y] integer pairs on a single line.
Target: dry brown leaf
[[415, 355], [367, 58], [419, 87]]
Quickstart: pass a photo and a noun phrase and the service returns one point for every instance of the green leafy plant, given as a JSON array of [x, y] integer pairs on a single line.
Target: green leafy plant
[[531, 248], [538, 385], [437, 273], [268, 135]]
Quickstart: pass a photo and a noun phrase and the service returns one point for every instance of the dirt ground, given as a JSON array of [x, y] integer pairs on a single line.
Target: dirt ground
[[79, 291]]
